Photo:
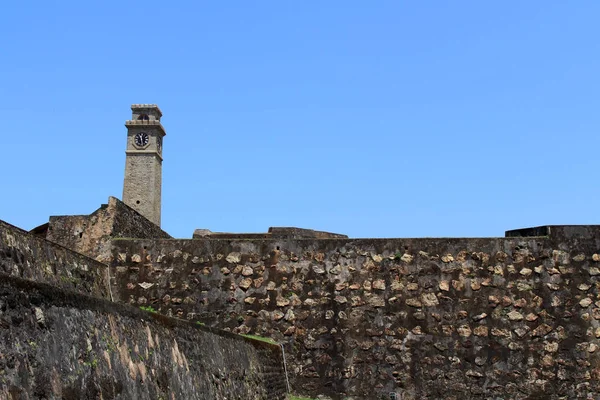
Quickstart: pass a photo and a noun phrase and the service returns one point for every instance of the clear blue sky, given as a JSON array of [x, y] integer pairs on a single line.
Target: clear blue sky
[[370, 118]]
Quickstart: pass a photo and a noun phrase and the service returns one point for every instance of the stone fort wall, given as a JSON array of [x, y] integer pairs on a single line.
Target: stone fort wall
[[511, 318], [92, 234], [30, 257], [62, 337], [58, 344]]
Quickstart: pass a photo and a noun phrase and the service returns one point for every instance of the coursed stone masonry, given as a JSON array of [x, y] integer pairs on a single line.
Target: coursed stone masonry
[[62, 338], [30, 257], [92, 234], [56, 344], [506, 318]]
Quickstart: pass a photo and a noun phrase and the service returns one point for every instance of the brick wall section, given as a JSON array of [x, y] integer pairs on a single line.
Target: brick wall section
[[59, 344], [424, 318], [27, 256]]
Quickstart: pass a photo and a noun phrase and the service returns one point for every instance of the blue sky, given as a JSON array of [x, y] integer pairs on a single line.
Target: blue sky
[[373, 119]]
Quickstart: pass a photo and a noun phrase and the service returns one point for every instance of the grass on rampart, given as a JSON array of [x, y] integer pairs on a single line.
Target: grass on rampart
[[261, 338]]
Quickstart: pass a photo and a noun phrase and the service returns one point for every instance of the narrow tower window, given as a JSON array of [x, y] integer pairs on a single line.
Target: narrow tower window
[[143, 117]]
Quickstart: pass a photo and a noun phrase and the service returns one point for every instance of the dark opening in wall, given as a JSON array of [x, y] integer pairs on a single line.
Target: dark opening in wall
[[143, 117], [137, 202]]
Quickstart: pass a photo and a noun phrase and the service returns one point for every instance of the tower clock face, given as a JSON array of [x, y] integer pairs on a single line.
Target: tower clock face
[[141, 139]]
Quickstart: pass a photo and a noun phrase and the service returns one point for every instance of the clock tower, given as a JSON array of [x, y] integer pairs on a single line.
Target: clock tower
[[143, 161]]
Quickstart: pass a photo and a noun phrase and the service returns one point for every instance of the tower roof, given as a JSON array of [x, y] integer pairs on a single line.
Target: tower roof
[[139, 107]]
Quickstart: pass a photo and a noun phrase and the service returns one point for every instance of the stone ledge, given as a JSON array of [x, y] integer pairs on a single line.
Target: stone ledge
[[146, 107], [60, 297], [273, 233], [141, 123], [559, 232]]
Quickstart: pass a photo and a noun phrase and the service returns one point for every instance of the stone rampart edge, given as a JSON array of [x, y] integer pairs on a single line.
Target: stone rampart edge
[[66, 298]]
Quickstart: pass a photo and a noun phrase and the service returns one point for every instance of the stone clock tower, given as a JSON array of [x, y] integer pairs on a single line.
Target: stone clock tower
[[143, 164]]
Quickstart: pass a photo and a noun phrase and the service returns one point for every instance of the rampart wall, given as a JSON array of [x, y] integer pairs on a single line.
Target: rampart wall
[[30, 257], [56, 344], [91, 234], [511, 318]]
